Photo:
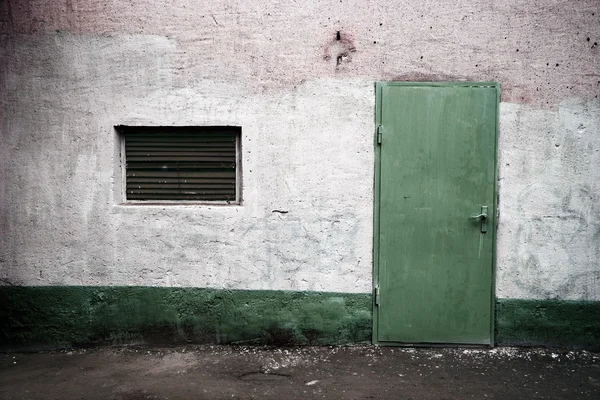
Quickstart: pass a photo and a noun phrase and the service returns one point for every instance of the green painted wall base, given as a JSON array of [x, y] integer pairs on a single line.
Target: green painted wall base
[[63, 316], [548, 323], [78, 316]]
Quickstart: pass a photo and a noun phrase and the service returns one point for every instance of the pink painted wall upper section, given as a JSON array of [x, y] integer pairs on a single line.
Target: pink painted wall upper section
[[541, 51]]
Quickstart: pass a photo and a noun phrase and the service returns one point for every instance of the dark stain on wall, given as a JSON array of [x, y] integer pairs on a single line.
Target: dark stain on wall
[[340, 47], [416, 76]]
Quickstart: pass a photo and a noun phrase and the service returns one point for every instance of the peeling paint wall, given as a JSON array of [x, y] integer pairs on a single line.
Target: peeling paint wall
[[71, 70]]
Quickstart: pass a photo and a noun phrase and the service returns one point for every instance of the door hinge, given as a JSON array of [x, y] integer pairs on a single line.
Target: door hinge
[[379, 133], [376, 295]]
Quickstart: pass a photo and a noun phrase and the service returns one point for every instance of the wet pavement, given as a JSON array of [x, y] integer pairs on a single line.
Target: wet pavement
[[237, 372]]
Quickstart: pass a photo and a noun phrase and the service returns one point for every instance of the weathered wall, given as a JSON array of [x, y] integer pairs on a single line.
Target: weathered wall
[[538, 50], [60, 173], [71, 70], [549, 230]]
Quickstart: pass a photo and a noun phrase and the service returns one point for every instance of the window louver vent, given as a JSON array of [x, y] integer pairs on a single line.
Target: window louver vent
[[181, 163]]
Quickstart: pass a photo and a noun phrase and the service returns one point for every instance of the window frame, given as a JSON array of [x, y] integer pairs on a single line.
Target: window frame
[[123, 130]]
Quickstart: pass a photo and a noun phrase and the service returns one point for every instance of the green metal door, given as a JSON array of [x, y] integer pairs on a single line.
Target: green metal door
[[435, 212]]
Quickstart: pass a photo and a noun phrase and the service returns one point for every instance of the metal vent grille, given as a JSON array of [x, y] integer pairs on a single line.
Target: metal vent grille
[[181, 163]]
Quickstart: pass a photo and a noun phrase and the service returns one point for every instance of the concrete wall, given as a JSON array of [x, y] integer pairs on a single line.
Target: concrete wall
[[71, 70], [549, 231]]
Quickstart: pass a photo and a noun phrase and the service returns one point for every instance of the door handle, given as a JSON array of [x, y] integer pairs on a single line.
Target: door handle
[[482, 217]]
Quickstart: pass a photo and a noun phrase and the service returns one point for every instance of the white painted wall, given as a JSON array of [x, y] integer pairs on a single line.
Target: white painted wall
[[70, 71], [549, 231]]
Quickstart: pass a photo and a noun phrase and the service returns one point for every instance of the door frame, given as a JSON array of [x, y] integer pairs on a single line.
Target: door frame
[[377, 186]]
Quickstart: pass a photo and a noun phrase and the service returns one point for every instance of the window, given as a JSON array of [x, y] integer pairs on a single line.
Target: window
[[182, 164]]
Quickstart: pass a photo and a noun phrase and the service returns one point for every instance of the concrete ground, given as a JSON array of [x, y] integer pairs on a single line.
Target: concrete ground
[[224, 372]]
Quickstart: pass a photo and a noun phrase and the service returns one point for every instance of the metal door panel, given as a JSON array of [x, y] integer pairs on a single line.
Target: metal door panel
[[436, 168]]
